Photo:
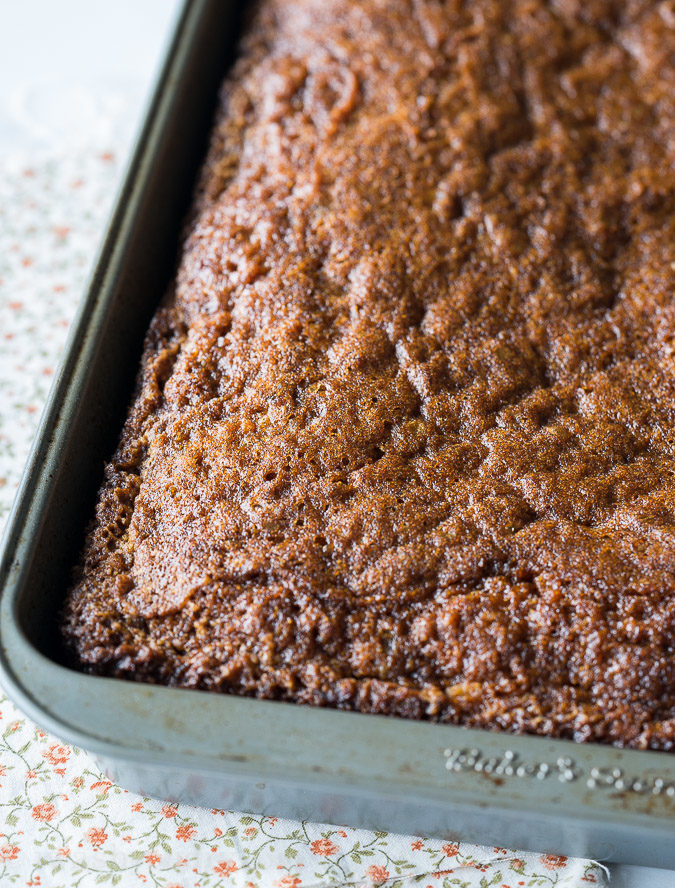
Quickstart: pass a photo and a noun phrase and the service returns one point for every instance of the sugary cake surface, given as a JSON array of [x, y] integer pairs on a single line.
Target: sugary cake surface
[[404, 439]]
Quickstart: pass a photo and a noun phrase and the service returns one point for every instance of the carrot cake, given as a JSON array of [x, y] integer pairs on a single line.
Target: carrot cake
[[404, 435]]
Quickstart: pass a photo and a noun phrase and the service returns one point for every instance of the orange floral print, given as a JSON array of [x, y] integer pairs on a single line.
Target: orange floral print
[[9, 852], [152, 858], [225, 868], [169, 810], [553, 861], [97, 836], [45, 811], [451, 849], [323, 847], [106, 784], [185, 832], [57, 754], [417, 845], [377, 873]]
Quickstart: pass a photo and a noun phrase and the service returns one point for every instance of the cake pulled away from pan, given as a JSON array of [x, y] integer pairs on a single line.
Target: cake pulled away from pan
[[404, 435]]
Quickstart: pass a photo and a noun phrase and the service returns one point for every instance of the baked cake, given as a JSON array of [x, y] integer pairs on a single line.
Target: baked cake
[[404, 435]]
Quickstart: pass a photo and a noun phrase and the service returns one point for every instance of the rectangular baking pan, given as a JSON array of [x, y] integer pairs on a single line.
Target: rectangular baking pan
[[224, 751]]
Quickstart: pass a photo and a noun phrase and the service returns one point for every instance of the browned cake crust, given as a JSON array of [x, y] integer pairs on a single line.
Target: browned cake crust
[[404, 440]]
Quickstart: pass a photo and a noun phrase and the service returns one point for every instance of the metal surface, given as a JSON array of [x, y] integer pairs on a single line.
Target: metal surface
[[217, 750]]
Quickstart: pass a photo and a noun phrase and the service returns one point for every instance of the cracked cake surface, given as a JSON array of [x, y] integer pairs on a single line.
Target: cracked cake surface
[[404, 434]]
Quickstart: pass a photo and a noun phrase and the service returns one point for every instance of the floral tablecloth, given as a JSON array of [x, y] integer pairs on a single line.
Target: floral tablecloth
[[62, 822]]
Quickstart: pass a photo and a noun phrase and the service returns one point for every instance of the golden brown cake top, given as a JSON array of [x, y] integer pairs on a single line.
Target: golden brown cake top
[[404, 438]]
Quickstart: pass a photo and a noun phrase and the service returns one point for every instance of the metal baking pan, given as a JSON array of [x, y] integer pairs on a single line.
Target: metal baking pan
[[225, 751]]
